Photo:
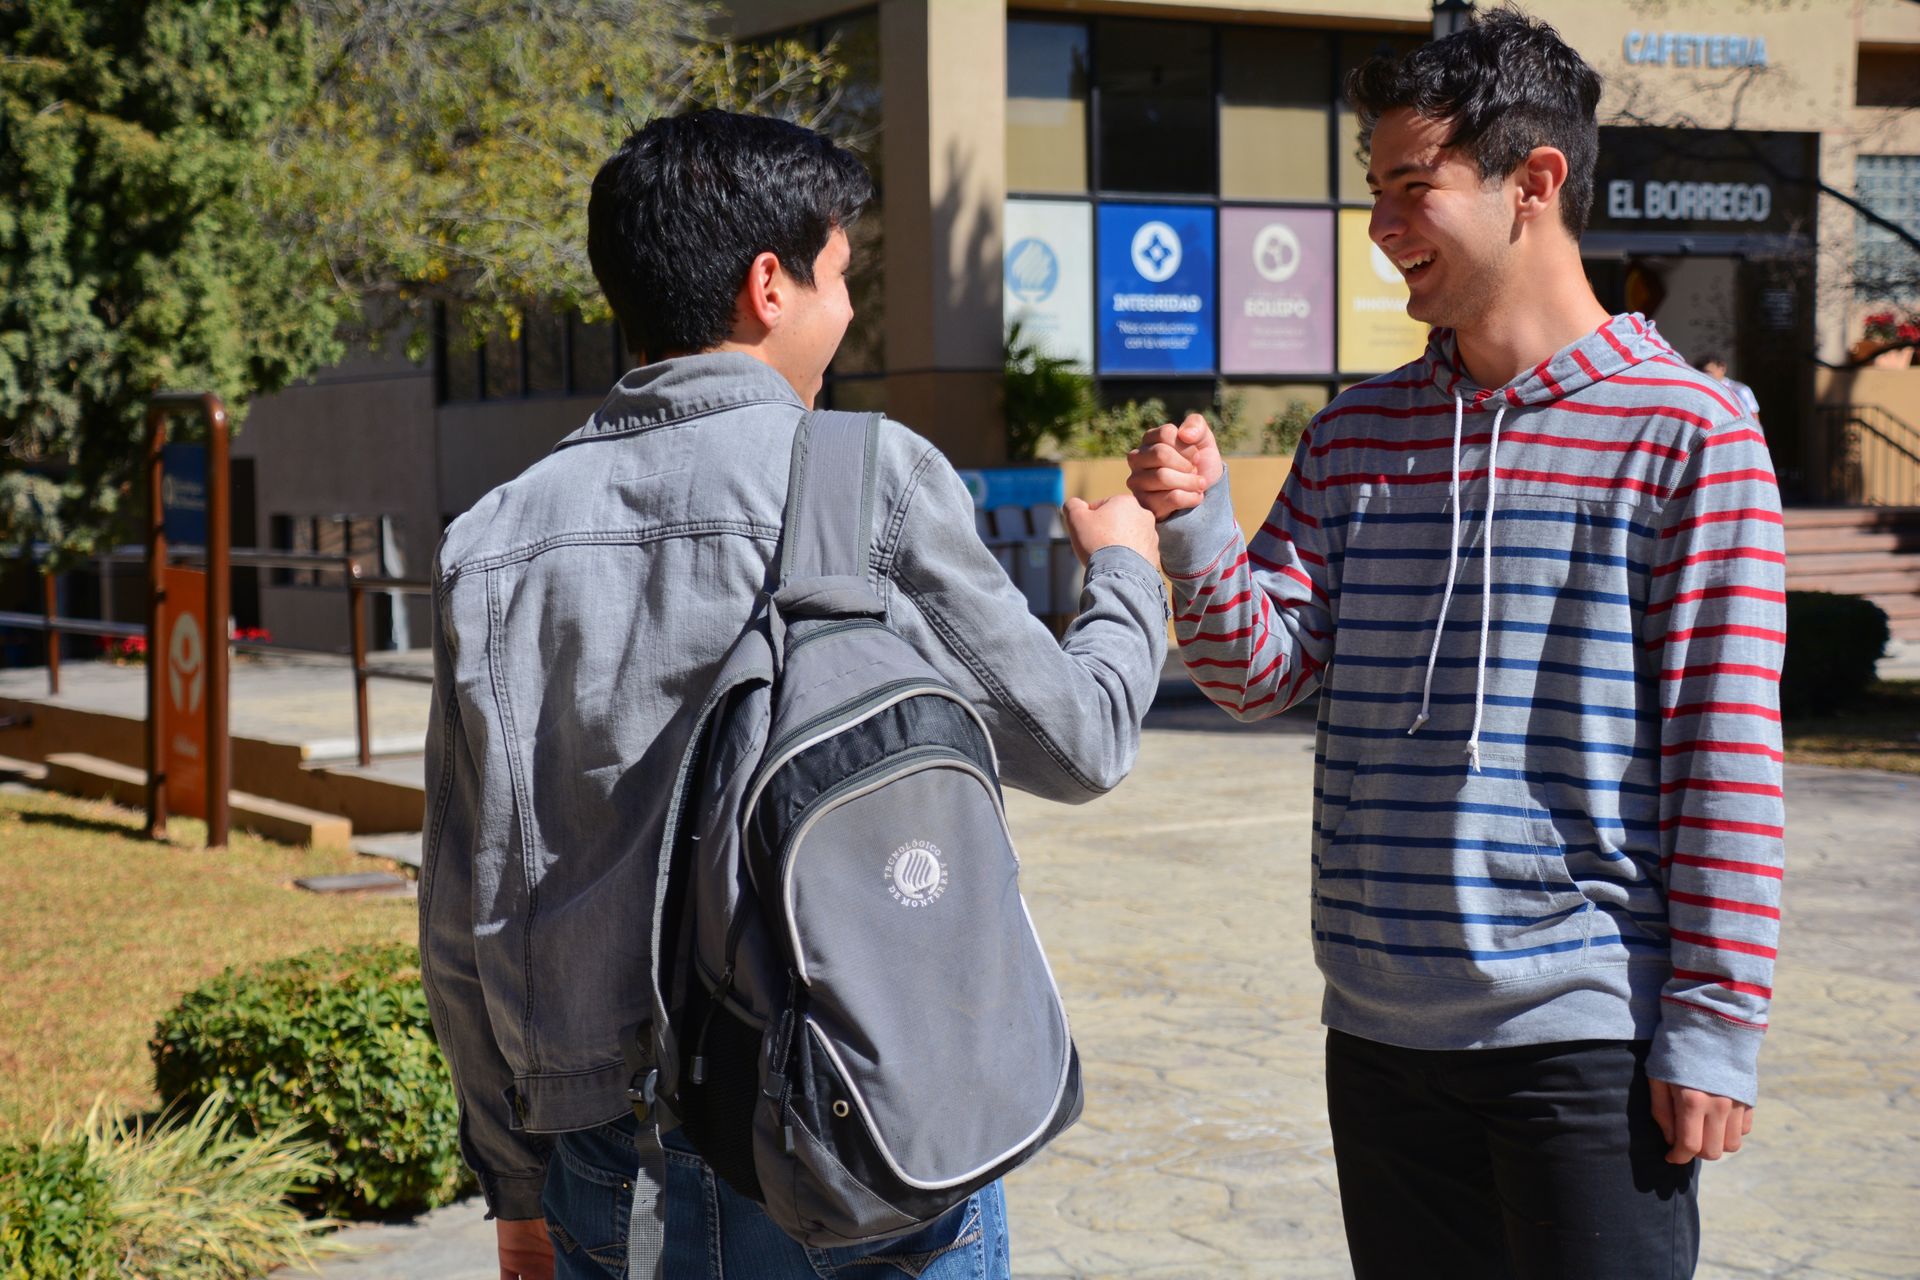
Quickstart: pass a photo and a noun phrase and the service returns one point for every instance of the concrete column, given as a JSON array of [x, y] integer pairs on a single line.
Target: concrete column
[[944, 83]]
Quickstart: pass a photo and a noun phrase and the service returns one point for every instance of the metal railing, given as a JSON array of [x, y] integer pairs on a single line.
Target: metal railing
[[1868, 457], [357, 587]]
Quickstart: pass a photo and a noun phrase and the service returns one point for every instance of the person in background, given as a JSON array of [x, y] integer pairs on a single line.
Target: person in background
[[1716, 368]]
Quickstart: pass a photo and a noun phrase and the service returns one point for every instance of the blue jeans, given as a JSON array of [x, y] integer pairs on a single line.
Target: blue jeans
[[713, 1233]]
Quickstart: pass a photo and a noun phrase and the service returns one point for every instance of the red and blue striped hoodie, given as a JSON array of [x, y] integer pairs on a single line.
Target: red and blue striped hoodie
[[1547, 622]]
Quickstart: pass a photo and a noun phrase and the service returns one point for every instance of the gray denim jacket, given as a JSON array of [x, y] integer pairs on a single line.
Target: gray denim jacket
[[577, 608]]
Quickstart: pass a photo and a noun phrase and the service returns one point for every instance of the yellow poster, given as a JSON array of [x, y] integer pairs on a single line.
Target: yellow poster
[[1376, 333]]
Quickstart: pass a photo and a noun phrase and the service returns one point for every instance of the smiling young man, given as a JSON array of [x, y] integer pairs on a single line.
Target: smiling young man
[[581, 607], [1537, 578]]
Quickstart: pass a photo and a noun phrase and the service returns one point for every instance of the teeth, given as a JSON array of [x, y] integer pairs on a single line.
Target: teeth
[[1408, 264]]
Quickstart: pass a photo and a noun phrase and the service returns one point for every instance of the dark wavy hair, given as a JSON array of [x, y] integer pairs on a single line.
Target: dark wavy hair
[[686, 204], [1506, 84]]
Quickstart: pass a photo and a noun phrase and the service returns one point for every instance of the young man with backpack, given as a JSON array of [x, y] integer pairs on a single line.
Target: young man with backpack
[[1536, 576], [583, 616]]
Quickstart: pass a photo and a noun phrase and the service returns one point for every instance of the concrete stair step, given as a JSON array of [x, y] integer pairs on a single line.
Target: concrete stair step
[[398, 846], [97, 779], [1871, 519], [28, 771], [1892, 582], [363, 884], [1834, 568], [1852, 542]]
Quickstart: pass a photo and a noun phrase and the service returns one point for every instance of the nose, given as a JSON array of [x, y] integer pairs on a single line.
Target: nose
[[1384, 224]]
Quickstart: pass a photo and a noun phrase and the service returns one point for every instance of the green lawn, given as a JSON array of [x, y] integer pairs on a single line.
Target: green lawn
[[1882, 732], [105, 931]]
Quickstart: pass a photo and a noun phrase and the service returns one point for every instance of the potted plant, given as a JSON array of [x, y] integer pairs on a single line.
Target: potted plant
[[1888, 340]]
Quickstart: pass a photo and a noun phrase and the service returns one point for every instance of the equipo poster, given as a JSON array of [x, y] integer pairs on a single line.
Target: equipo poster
[[1376, 333], [1276, 291], [1156, 289], [1049, 276]]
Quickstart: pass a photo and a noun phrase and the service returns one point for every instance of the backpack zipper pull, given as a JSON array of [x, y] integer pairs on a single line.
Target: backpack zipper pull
[[699, 1072]]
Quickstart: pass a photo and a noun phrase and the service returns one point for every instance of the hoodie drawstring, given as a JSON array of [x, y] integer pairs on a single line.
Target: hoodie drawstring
[[1453, 570], [1486, 595]]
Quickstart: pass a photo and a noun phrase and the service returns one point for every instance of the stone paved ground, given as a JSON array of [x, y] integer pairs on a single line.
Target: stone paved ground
[[1175, 914]]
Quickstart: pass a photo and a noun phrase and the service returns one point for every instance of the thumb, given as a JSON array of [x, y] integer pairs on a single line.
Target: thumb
[[1075, 506], [1194, 429]]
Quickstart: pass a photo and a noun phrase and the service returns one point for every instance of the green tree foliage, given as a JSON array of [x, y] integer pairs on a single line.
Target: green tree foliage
[[450, 145], [132, 250], [215, 194]]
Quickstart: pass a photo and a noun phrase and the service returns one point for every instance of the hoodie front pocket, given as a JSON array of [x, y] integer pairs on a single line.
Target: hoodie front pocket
[[1440, 870]]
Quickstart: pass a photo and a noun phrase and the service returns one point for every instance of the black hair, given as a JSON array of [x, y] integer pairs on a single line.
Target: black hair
[[1706, 358], [687, 203], [1506, 84]]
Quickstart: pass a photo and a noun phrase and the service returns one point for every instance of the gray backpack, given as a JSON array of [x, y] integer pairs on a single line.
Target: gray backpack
[[854, 1023]]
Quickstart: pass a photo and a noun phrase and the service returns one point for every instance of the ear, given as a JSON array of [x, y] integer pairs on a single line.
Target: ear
[[1539, 178], [763, 295]]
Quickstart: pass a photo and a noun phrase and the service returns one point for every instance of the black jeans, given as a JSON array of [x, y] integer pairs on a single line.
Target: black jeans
[[1535, 1163]]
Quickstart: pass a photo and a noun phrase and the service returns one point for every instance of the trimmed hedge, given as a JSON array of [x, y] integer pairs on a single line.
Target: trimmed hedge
[[1833, 642], [56, 1214], [340, 1043]]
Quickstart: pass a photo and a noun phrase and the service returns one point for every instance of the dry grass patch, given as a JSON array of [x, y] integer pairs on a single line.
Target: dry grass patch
[[1882, 732], [105, 932]]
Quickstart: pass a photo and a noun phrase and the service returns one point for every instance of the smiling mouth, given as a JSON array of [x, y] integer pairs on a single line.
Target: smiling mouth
[[1414, 265]]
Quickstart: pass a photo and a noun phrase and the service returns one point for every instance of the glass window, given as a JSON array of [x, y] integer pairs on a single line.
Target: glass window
[[1047, 107], [544, 332], [1156, 107], [500, 367], [596, 357], [863, 349], [1276, 91], [857, 395], [1885, 268], [462, 380], [1355, 50]]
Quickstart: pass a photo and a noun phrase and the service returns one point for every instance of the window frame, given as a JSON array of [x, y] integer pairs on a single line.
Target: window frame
[[1114, 385]]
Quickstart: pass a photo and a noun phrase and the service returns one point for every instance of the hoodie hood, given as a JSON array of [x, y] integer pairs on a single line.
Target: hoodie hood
[[1616, 346]]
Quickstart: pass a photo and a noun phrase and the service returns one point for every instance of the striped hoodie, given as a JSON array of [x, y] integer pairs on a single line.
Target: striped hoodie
[[1550, 810]]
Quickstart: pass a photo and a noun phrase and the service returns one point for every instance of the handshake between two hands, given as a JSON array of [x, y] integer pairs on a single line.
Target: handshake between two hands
[[1170, 471]]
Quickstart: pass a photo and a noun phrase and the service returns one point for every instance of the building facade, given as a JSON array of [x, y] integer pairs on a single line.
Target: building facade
[[1167, 193]]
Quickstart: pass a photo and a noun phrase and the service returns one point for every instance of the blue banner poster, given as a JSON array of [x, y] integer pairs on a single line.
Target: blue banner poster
[[1157, 289], [183, 494]]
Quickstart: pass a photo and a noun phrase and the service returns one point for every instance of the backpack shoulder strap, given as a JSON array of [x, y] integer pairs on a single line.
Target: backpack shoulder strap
[[828, 528]]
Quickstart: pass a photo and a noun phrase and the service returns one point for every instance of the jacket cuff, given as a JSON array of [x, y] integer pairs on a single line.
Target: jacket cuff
[[1700, 1050], [513, 1198], [1127, 563], [1192, 541]]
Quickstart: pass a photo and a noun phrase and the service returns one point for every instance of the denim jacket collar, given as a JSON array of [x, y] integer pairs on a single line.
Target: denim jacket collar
[[681, 388]]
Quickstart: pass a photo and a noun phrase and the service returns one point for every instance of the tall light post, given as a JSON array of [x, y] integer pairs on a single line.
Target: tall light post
[[1450, 16]]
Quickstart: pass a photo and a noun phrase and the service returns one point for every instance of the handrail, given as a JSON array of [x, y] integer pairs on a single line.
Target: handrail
[[1874, 458], [354, 583]]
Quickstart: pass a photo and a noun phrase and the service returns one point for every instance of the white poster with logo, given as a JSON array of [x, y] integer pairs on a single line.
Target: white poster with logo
[[1048, 275], [1276, 291]]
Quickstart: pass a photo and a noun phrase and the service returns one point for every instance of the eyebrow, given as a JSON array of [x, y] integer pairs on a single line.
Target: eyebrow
[[1401, 171]]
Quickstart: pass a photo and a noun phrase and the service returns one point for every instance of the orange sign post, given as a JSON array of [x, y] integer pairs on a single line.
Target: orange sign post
[[189, 765], [181, 656]]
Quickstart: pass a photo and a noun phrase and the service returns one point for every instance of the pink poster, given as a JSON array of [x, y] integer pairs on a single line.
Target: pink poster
[[1276, 291]]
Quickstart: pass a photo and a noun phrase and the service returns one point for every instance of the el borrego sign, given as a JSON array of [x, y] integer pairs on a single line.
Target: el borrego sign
[[1704, 180], [1156, 289]]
